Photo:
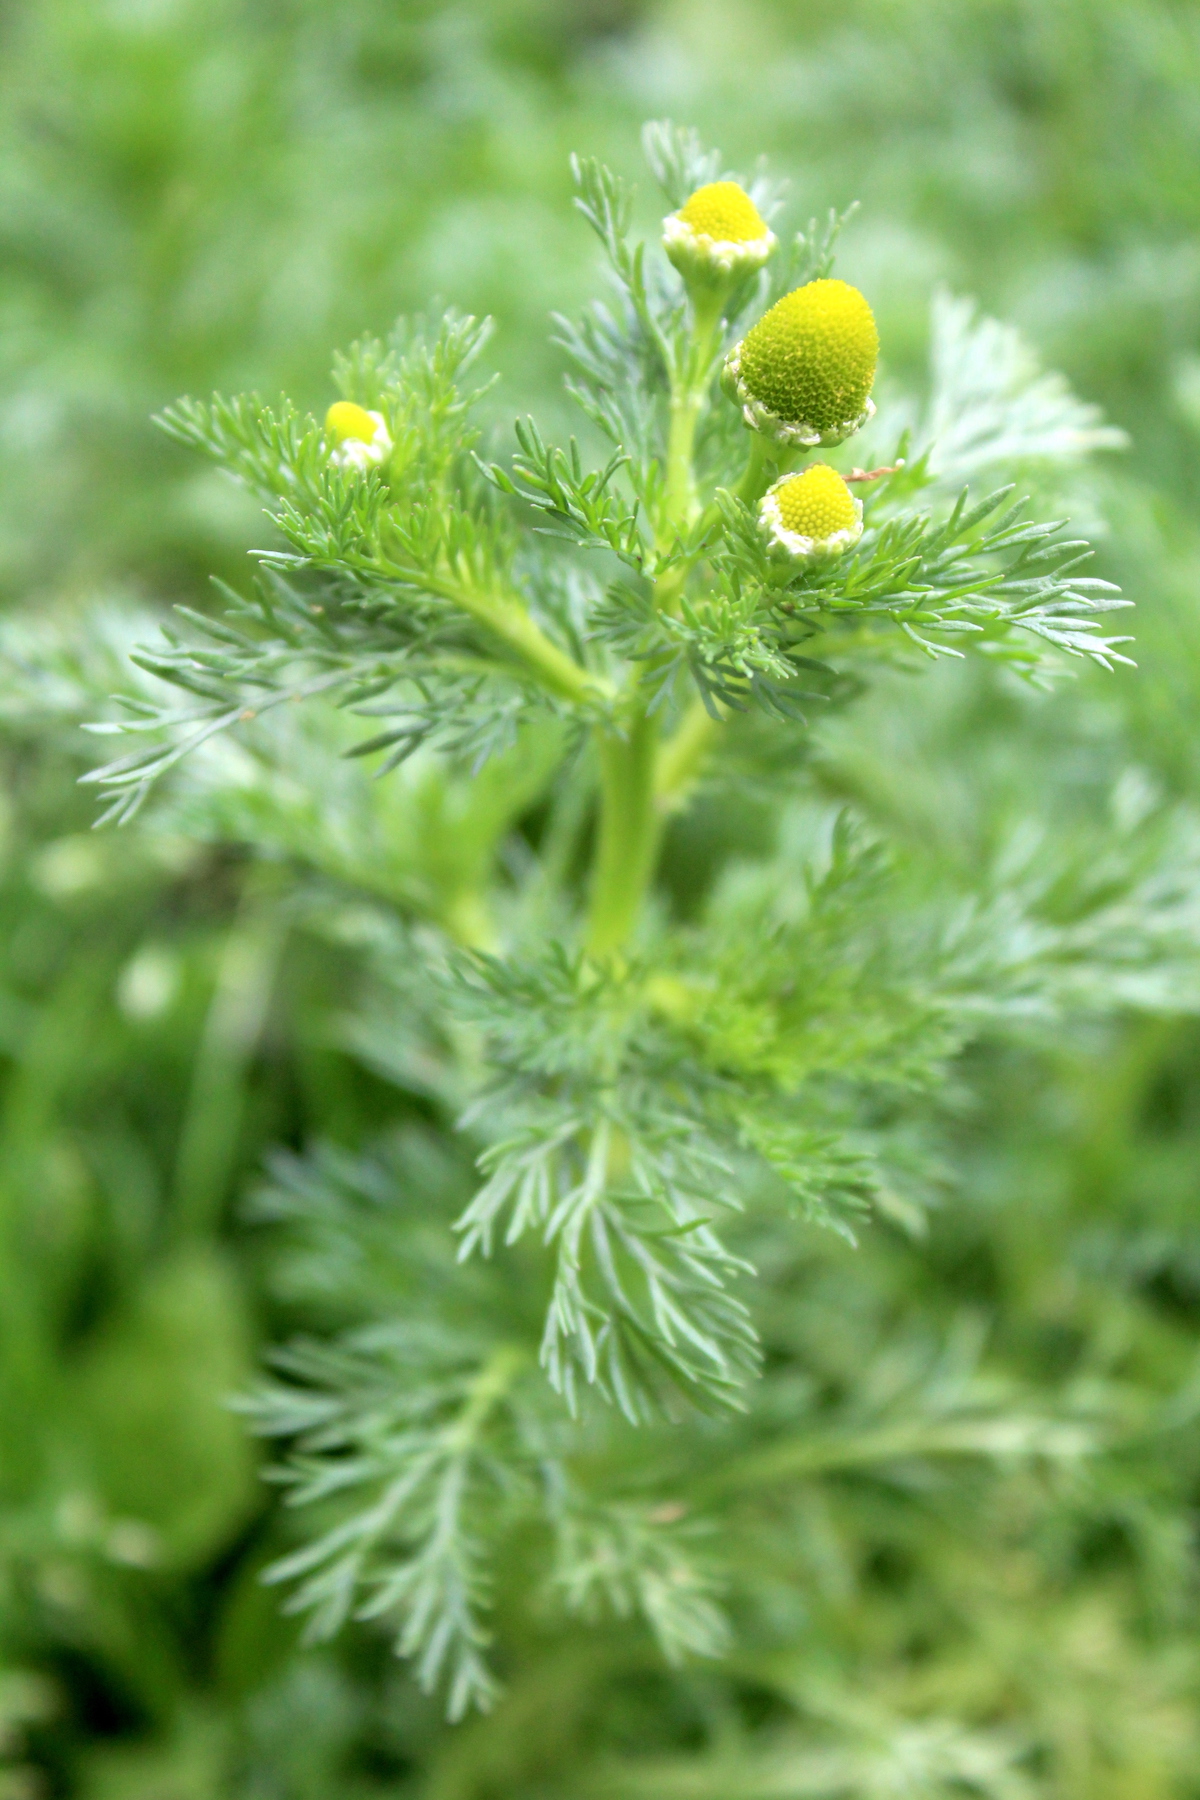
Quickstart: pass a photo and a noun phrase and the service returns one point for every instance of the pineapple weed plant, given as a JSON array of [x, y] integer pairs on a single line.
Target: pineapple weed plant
[[589, 1391]]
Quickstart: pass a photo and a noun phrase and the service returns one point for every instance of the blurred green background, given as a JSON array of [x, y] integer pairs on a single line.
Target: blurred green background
[[213, 193]]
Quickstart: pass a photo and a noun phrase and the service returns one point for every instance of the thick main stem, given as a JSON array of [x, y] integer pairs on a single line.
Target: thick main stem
[[631, 795], [627, 840]]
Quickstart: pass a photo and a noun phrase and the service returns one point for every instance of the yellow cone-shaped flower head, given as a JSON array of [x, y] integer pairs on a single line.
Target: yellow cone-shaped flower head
[[811, 515], [803, 374], [359, 439], [724, 211], [718, 234]]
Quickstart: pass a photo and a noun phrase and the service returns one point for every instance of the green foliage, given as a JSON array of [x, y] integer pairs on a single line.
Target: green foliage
[[942, 1546], [623, 1087]]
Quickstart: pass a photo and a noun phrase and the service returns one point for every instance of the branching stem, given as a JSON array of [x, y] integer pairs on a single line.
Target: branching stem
[[509, 620], [682, 756], [632, 794]]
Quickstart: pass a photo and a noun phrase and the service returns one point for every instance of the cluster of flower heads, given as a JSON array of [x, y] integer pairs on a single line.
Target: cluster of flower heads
[[802, 376]]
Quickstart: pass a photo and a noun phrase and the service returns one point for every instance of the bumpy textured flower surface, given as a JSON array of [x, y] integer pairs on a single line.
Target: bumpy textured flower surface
[[811, 515], [359, 439], [718, 232], [803, 374]]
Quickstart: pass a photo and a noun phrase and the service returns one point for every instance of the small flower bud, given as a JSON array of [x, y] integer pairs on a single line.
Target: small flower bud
[[811, 515], [803, 374], [718, 235], [359, 439]]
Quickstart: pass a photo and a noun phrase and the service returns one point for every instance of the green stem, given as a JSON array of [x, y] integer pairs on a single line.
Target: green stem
[[760, 470], [688, 395], [631, 813], [489, 1387], [627, 840], [680, 496], [569, 811], [509, 620], [799, 1459], [469, 921], [681, 757]]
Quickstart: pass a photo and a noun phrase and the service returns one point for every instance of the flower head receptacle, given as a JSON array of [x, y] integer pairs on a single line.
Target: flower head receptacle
[[811, 515], [718, 235], [358, 439], [803, 374]]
